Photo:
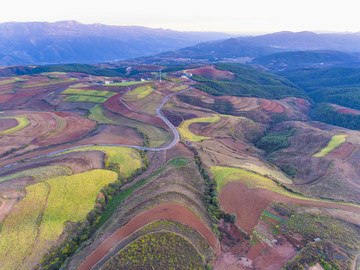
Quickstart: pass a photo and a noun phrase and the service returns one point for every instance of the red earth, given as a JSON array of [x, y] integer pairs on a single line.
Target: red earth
[[342, 152], [7, 123], [210, 71], [172, 211], [248, 204], [113, 104], [272, 106]]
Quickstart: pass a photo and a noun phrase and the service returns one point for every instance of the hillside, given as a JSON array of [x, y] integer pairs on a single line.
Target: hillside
[[244, 49], [131, 172], [248, 83], [73, 42], [338, 85], [300, 59]]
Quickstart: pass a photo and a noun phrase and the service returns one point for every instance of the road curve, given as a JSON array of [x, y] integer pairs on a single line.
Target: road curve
[[159, 113]]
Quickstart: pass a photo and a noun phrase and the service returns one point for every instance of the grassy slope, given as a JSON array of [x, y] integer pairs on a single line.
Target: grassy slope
[[19, 229], [79, 98], [188, 135], [334, 143], [41, 173], [71, 198], [71, 91], [138, 93]]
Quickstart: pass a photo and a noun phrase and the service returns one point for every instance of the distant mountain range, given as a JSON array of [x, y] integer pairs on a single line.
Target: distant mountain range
[[322, 46], [38, 43], [70, 42]]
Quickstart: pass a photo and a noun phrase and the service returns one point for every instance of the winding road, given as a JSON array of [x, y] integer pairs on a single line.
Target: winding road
[[159, 113]]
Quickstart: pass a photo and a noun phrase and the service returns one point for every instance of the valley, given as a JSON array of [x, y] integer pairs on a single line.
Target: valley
[[211, 166]]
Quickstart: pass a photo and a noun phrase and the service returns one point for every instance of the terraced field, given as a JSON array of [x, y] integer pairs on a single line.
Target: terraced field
[[249, 185]]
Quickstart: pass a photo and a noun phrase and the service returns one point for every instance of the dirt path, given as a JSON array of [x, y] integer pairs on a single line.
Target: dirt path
[[158, 111], [356, 262], [172, 211]]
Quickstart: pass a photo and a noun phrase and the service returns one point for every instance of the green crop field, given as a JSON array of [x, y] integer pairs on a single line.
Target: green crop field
[[186, 134], [179, 88], [128, 159], [97, 114], [334, 143], [76, 98], [22, 122], [71, 198], [82, 92], [40, 174], [49, 83], [126, 83], [19, 229], [138, 93], [159, 250]]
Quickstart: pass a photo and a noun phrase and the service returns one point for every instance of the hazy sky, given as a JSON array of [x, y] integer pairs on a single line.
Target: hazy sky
[[236, 16]]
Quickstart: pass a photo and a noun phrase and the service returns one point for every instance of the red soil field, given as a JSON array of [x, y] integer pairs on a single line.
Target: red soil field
[[272, 106], [76, 127], [233, 144], [342, 152], [349, 111], [7, 123], [248, 204], [113, 135], [114, 105], [179, 150], [172, 211], [345, 110], [6, 98], [210, 71]]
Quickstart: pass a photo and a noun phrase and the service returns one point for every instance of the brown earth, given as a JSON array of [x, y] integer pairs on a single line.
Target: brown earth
[[113, 135], [179, 150], [115, 106], [76, 127], [5, 207], [231, 143], [212, 72], [7, 123], [342, 152], [248, 204], [172, 211], [275, 258], [345, 110], [272, 106]]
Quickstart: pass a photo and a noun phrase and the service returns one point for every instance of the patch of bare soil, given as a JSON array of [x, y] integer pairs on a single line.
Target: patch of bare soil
[[212, 72], [113, 135], [275, 258], [7, 123], [248, 204], [342, 152], [272, 106], [5, 207], [179, 150]]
